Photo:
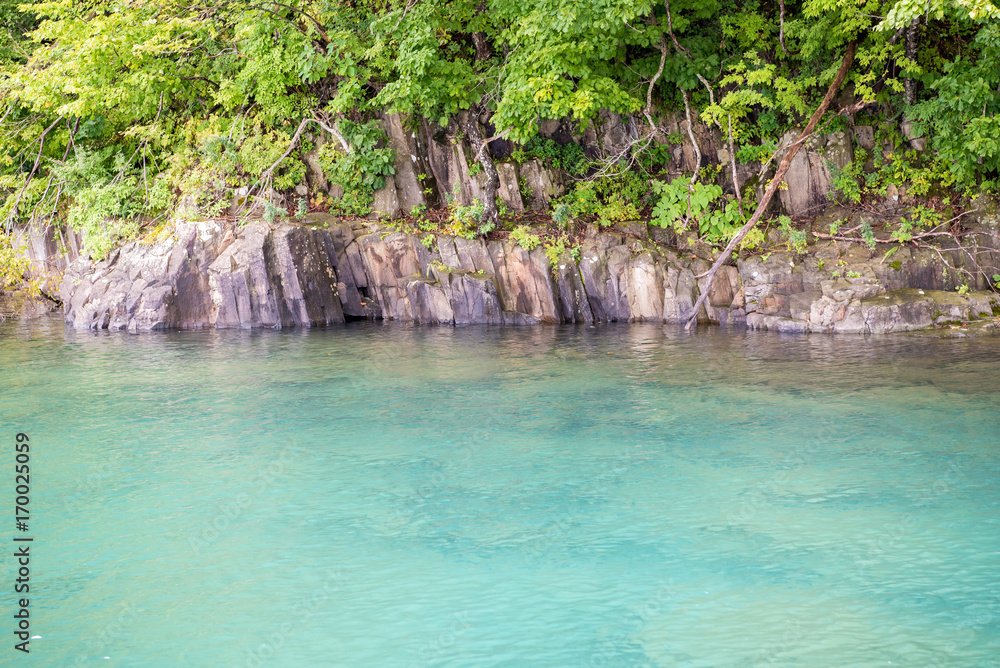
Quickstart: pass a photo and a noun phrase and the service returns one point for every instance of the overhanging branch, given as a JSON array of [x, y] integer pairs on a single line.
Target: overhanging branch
[[779, 176]]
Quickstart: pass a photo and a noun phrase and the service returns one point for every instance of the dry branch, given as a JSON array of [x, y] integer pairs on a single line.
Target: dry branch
[[697, 152], [779, 176], [31, 174], [648, 110], [732, 162]]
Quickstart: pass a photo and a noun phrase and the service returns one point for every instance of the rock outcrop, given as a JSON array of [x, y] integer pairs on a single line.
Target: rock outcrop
[[207, 276], [321, 273], [324, 271], [434, 164]]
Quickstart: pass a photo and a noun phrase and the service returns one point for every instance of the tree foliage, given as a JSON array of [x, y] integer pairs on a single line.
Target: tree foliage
[[115, 113]]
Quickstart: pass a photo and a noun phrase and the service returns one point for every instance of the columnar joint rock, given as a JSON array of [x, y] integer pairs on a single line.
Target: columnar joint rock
[[325, 271]]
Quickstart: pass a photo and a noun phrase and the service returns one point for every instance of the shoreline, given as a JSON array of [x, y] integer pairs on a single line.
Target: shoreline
[[324, 271]]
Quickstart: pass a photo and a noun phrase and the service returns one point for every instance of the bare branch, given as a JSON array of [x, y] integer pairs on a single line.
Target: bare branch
[[772, 187], [781, 26], [332, 129], [486, 142], [265, 177], [34, 168], [648, 111], [670, 30], [316, 24], [9, 109], [291, 146], [697, 152], [732, 162], [409, 5], [711, 93]]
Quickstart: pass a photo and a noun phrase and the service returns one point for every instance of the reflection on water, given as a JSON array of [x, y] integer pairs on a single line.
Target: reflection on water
[[549, 496]]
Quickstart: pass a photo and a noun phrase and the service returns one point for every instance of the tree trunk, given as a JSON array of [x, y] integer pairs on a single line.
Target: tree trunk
[[491, 216], [779, 176], [482, 151]]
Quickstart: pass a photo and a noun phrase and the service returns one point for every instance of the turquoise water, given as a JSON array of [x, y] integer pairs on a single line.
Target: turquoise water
[[551, 496]]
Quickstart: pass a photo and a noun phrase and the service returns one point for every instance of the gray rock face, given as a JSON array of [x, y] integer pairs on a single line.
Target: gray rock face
[[210, 275], [145, 287], [524, 281], [280, 278], [509, 191], [808, 180], [386, 201], [408, 163], [573, 300], [543, 185], [433, 163], [50, 249], [602, 260], [878, 303]]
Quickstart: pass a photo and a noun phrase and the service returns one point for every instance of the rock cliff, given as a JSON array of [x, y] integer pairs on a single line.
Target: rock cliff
[[432, 163], [323, 272]]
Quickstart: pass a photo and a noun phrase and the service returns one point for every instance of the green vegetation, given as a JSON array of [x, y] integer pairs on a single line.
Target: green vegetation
[[13, 266], [796, 238], [522, 236], [569, 157], [359, 171], [556, 249], [681, 202], [115, 115]]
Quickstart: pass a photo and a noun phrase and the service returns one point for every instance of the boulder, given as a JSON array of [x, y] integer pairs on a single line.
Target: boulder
[[473, 298], [430, 302], [864, 136], [49, 248], [775, 323], [808, 179], [912, 309], [509, 190], [644, 288], [391, 263], [602, 264], [302, 264], [352, 284], [240, 283], [572, 293], [138, 287], [680, 294]]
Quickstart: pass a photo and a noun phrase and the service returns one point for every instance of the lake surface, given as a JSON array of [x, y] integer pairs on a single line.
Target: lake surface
[[549, 496]]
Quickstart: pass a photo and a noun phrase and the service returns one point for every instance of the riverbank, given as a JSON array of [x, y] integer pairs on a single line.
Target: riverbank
[[323, 271]]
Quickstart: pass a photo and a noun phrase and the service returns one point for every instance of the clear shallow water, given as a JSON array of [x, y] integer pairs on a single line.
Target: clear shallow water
[[611, 496]]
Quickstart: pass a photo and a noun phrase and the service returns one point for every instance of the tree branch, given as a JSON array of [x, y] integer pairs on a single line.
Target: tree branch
[[34, 168], [697, 152], [409, 5], [648, 111], [781, 26], [9, 109], [732, 162], [316, 24], [486, 142], [265, 176], [670, 30], [332, 129], [772, 187]]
